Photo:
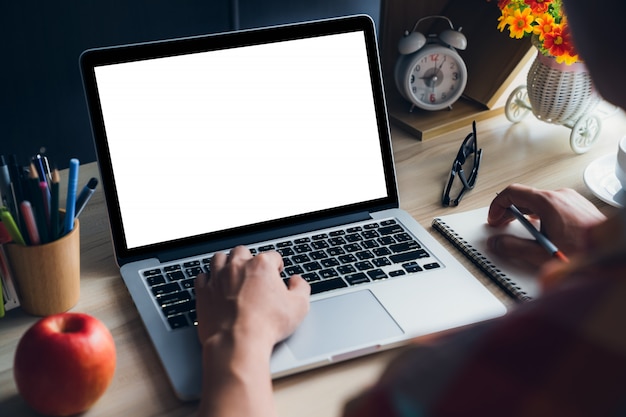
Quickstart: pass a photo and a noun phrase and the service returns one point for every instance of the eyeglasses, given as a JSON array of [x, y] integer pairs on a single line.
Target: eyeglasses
[[468, 156]]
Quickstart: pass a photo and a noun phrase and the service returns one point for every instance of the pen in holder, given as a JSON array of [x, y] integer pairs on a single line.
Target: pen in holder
[[47, 276]]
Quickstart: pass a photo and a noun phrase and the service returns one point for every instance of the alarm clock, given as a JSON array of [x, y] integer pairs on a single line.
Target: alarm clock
[[430, 73]]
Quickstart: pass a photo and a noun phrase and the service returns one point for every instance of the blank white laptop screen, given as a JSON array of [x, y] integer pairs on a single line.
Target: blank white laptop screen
[[215, 140]]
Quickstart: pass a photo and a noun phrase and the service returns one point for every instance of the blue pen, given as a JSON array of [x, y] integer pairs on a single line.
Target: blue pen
[[70, 204]]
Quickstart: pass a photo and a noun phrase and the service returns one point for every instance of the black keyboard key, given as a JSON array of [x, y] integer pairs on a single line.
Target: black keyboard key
[[191, 264], [171, 268], [188, 283], [328, 273], [358, 278], [303, 248], [337, 233], [364, 266], [265, 248], [354, 237], [175, 275], [329, 262], [320, 236], [346, 269], [320, 244], [397, 273], [318, 254], [178, 322], [178, 308], [155, 280], [312, 266], [365, 254], [352, 247], [335, 251], [404, 246], [370, 234], [369, 244], [284, 244], [403, 237], [152, 272], [285, 251], [311, 276], [386, 240], [158, 290], [193, 317], [391, 230], [175, 297], [337, 241], [408, 256], [327, 285], [412, 267], [381, 251], [347, 259], [432, 265], [194, 272], [375, 274], [293, 270], [381, 262], [300, 259]]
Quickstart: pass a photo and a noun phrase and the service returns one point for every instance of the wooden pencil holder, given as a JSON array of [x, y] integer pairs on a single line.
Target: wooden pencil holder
[[47, 276]]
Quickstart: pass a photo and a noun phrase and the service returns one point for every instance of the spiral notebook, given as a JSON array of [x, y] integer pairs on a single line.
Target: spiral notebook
[[468, 231]]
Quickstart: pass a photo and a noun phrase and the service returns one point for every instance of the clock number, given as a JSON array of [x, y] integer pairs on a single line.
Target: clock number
[[455, 76], [432, 98], [434, 57]]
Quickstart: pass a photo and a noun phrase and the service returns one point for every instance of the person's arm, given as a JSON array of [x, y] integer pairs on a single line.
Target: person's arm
[[244, 309], [566, 218]]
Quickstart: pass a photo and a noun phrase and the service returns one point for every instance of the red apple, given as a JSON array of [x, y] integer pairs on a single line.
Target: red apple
[[64, 363]]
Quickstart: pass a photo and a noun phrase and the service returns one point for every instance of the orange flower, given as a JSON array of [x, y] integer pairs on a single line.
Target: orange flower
[[520, 23], [538, 6], [556, 43], [545, 24], [544, 21]]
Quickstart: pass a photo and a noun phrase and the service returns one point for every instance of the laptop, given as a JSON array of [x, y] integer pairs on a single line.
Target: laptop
[[278, 139]]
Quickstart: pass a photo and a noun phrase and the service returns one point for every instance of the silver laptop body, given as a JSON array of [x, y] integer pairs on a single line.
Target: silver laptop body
[[274, 138]]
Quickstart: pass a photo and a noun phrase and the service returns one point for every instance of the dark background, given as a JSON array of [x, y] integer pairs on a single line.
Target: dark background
[[42, 106]]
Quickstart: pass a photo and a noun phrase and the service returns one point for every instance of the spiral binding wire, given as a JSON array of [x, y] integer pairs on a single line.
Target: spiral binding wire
[[479, 260]]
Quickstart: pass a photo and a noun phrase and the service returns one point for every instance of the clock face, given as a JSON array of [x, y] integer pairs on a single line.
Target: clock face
[[434, 77]]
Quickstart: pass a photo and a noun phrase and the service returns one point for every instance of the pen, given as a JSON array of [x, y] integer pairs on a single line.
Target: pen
[[5, 182], [70, 203], [539, 237], [85, 195], [9, 223], [29, 221], [54, 205], [39, 201]]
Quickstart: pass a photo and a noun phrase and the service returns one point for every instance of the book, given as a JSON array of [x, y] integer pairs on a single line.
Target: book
[[468, 231]]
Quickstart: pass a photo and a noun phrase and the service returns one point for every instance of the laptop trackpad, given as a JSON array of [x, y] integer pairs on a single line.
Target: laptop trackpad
[[333, 325]]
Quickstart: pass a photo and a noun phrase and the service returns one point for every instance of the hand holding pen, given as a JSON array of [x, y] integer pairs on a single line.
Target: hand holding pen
[[565, 218]]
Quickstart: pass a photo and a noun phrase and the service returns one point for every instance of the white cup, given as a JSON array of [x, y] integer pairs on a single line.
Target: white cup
[[620, 166]]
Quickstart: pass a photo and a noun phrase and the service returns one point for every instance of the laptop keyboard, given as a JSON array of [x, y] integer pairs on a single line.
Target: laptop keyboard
[[334, 259]]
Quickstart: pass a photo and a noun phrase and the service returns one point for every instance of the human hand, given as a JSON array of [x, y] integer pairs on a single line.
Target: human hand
[[565, 218], [247, 296]]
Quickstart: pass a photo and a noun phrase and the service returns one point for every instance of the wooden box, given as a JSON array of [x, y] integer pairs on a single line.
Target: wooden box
[[493, 61]]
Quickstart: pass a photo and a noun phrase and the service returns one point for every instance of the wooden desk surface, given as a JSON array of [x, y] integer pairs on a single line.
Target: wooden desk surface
[[531, 152]]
